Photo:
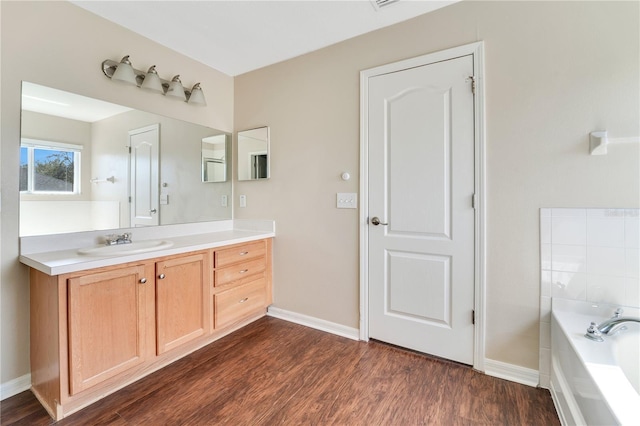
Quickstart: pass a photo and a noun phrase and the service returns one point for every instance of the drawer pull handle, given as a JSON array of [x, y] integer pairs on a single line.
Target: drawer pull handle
[[243, 300], [244, 253], [143, 280], [243, 271], [161, 276]]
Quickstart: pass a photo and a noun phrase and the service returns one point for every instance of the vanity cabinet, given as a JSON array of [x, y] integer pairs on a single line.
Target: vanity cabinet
[[97, 330], [241, 281]]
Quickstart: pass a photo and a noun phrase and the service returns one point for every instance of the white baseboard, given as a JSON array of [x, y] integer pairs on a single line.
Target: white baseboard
[[317, 323], [15, 386], [514, 373]]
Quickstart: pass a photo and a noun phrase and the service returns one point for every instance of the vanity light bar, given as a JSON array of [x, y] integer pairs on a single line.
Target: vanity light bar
[[124, 72]]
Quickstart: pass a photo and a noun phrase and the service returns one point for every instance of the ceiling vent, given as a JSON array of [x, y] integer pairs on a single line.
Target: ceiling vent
[[379, 4]]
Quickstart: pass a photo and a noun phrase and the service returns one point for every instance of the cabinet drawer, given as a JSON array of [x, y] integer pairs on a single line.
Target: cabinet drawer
[[241, 272], [235, 303], [239, 253]]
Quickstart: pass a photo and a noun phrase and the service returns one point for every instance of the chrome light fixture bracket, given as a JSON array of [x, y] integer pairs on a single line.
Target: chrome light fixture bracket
[[109, 68]]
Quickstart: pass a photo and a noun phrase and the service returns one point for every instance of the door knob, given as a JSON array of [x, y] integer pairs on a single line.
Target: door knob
[[161, 276], [376, 221], [154, 211]]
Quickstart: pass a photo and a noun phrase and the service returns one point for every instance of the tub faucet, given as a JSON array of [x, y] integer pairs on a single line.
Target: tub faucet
[[609, 327], [615, 324]]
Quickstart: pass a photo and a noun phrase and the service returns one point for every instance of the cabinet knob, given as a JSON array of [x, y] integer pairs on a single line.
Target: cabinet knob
[[243, 300], [244, 271], [143, 280], [161, 276], [244, 253]]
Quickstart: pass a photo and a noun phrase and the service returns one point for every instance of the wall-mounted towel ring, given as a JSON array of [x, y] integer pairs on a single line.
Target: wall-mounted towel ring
[[598, 142]]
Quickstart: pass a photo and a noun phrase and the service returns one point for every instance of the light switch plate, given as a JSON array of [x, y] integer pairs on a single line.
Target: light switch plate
[[164, 199], [243, 201], [224, 201], [347, 200]]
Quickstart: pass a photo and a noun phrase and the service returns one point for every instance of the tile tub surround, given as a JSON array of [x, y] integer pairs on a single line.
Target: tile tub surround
[[586, 254]]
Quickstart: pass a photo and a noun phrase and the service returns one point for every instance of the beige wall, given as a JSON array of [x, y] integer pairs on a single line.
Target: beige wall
[[59, 45], [554, 72]]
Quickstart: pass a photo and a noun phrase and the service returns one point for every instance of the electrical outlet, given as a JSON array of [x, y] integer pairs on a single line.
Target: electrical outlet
[[243, 201], [347, 200]]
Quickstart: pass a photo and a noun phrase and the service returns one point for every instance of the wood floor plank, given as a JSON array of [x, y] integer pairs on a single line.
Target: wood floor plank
[[23, 408], [275, 372], [390, 387]]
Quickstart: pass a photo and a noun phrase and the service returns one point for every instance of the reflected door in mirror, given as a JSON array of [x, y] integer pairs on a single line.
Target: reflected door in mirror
[[145, 181]]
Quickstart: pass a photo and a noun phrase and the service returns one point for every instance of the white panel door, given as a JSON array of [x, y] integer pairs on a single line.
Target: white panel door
[[421, 184], [145, 179]]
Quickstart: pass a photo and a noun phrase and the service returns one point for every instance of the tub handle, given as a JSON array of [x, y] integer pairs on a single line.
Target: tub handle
[[593, 333]]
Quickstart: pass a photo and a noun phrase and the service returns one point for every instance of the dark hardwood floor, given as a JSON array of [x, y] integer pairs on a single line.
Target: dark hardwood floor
[[275, 372]]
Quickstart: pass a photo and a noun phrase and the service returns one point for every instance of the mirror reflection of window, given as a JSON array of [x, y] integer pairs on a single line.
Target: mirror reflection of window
[[253, 154], [49, 167]]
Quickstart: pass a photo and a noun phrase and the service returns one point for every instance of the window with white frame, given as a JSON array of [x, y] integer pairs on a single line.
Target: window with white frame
[[49, 167]]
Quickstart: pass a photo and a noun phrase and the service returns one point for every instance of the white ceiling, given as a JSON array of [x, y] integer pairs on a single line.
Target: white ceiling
[[46, 100], [238, 36]]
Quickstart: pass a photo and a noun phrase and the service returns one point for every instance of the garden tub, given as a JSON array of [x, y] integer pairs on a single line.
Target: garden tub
[[594, 383]]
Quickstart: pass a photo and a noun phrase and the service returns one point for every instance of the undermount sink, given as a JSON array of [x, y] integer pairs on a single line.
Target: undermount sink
[[123, 249]]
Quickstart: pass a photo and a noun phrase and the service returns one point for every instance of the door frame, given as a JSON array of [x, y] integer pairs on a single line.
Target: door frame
[[477, 51]]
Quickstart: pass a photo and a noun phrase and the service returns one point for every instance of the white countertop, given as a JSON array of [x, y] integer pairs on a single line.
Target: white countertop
[[66, 260]]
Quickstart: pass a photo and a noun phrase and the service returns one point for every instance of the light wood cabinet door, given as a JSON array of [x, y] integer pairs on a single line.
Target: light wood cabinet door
[[180, 300], [107, 332]]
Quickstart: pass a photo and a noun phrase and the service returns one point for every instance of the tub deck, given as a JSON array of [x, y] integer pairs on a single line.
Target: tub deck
[[587, 384]]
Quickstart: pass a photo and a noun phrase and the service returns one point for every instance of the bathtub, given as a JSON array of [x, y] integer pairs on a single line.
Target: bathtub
[[594, 383]]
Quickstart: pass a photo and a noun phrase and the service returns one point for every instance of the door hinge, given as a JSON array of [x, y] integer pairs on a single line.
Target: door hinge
[[129, 198], [474, 201], [129, 150], [473, 316], [473, 83]]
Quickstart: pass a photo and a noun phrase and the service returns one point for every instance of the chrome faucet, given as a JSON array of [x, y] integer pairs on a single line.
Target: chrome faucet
[[113, 239], [615, 324], [609, 327]]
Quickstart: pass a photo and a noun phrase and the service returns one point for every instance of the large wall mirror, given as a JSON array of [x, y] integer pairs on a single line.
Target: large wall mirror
[[89, 165], [253, 154]]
